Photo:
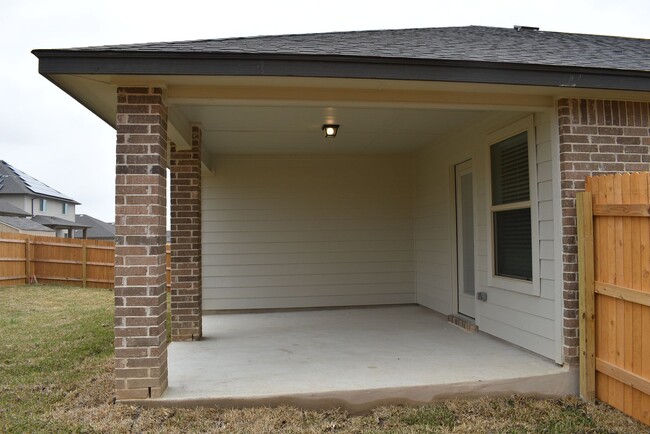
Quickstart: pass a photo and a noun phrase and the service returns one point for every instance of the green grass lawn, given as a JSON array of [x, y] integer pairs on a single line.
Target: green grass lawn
[[56, 375], [52, 338]]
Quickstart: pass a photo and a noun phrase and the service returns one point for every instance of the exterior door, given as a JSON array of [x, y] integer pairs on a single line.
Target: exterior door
[[465, 238]]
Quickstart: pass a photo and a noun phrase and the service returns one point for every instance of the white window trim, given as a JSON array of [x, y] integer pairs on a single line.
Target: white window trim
[[532, 287]]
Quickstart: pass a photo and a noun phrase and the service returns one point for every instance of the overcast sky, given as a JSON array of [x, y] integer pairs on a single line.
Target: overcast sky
[[47, 134]]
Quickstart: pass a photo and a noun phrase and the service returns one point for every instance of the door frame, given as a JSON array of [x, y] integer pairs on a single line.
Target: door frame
[[454, 238]]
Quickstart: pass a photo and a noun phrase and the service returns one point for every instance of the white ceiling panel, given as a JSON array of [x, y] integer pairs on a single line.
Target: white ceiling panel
[[290, 129]]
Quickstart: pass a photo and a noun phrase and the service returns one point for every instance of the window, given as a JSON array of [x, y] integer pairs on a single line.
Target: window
[[43, 205], [511, 217], [65, 208]]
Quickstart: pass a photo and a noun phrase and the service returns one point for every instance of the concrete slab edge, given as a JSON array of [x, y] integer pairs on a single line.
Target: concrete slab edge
[[558, 384]]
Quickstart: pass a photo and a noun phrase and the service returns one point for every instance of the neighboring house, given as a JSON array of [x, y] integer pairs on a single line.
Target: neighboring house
[[13, 220], [450, 183], [97, 229], [37, 201]]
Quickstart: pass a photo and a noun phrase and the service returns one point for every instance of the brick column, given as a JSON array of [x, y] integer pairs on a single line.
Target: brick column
[[596, 137], [186, 240], [140, 225]]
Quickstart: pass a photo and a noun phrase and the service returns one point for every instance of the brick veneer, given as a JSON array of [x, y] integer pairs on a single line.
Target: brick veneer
[[140, 227], [186, 240], [596, 137]]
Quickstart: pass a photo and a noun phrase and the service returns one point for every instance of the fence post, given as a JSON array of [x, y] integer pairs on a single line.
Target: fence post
[[586, 296], [28, 262], [84, 260]]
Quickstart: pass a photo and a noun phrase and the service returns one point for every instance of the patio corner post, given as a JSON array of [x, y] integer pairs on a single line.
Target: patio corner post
[[186, 278], [140, 228]]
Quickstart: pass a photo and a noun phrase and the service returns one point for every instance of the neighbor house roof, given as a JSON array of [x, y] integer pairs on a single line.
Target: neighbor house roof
[[8, 209], [97, 229], [24, 224], [474, 53], [15, 181], [56, 222]]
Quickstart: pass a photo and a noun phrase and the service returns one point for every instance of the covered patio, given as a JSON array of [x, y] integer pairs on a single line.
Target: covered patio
[[449, 188], [352, 358]]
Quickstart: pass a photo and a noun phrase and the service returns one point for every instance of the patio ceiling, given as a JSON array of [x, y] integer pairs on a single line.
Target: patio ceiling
[[284, 115], [276, 129]]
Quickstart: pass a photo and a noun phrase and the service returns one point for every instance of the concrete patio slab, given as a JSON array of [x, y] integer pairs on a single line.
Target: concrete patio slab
[[352, 358]]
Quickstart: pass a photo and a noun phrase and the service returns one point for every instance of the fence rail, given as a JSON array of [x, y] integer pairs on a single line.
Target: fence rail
[[86, 263], [614, 270]]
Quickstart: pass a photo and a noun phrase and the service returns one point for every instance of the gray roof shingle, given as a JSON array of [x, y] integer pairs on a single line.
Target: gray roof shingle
[[97, 229], [472, 43], [56, 222], [8, 209], [24, 224]]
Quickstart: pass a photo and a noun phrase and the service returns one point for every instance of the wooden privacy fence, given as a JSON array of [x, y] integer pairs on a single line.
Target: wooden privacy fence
[[614, 269], [86, 263]]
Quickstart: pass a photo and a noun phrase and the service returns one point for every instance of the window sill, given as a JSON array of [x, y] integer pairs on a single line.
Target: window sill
[[527, 287]]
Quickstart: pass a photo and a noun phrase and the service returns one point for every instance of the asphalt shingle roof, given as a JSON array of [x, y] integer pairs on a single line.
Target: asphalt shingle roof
[[56, 222], [24, 224], [8, 209], [472, 43], [96, 228]]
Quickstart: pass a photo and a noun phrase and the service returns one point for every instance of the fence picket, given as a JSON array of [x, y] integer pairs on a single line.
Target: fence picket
[[28, 261]]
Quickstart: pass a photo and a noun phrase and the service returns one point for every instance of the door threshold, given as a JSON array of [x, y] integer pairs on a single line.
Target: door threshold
[[463, 322]]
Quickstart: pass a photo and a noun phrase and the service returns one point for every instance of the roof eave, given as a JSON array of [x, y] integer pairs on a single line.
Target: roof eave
[[52, 62], [35, 195], [47, 196]]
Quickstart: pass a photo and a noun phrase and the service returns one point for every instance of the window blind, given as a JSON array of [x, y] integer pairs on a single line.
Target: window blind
[[510, 170]]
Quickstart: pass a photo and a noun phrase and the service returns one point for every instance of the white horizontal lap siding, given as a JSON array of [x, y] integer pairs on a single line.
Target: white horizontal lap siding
[[527, 320], [432, 232], [293, 231]]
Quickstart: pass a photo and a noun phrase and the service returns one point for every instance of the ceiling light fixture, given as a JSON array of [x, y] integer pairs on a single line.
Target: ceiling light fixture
[[330, 130]]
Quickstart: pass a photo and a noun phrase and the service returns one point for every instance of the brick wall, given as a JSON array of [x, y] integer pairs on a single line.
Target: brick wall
[[140, 236], [186, 240], [596, 137]]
